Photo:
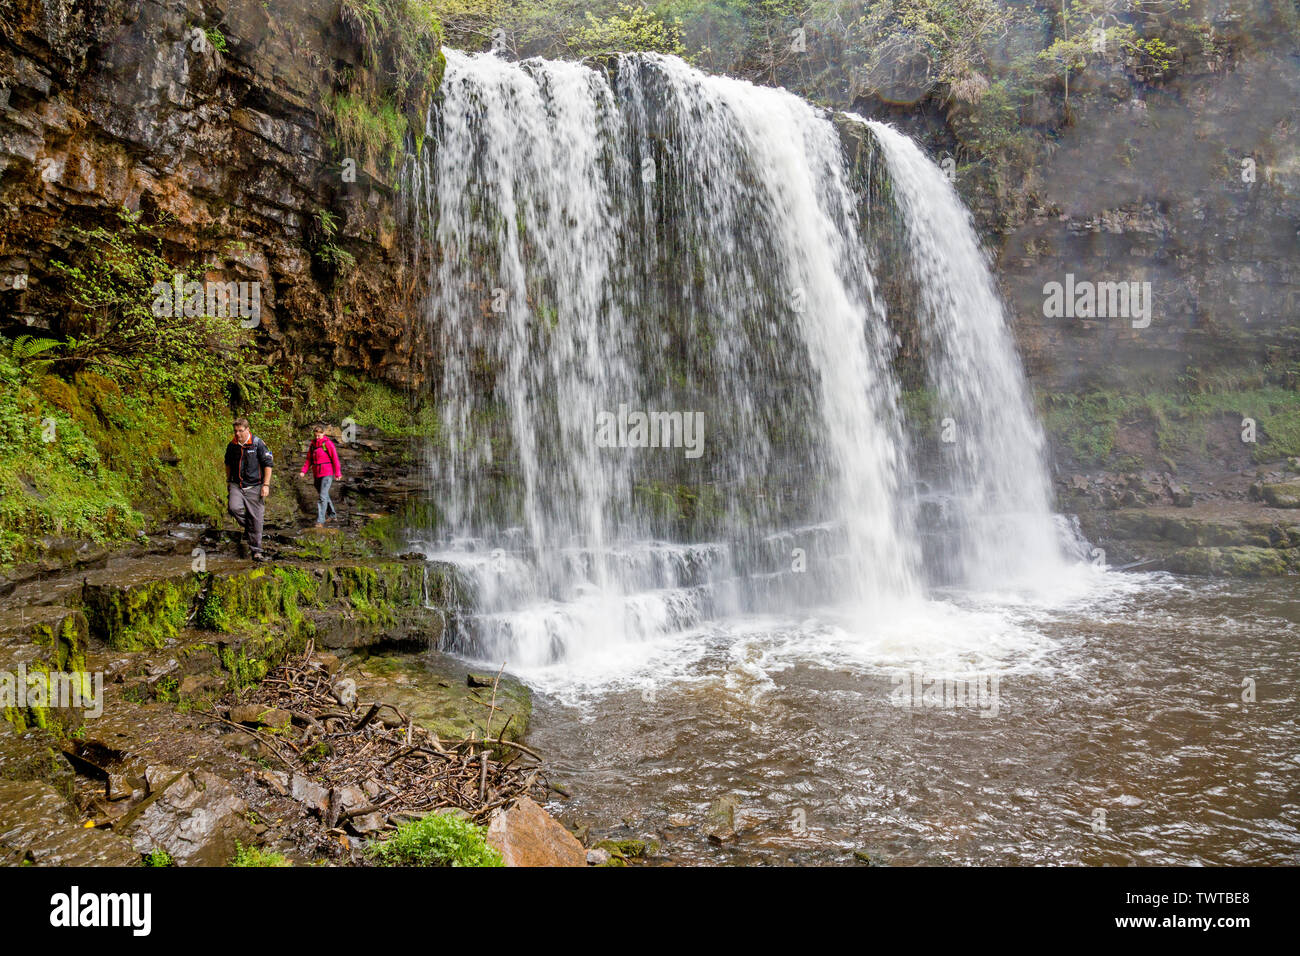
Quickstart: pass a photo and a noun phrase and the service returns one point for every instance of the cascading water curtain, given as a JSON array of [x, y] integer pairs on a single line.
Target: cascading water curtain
[[655, 240], [993, 451]]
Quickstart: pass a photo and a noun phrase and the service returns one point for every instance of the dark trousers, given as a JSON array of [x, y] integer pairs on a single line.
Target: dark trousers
[[247, 506]]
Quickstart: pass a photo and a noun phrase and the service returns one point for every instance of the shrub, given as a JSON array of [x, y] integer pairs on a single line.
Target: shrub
[[439, 839], [256, 856]]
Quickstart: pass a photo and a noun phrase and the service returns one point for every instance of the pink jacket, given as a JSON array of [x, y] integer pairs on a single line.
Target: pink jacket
[[323, 459]]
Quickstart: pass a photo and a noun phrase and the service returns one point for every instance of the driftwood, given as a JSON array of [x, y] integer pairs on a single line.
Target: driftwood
[[409, 770]]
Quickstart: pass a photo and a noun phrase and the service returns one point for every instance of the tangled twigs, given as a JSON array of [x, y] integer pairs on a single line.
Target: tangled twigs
[[382, 762]]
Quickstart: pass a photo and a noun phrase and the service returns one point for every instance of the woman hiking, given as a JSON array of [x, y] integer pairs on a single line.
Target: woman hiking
[[323, 460]]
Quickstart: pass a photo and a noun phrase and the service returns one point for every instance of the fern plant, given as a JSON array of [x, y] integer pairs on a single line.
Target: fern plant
[[26, 351]]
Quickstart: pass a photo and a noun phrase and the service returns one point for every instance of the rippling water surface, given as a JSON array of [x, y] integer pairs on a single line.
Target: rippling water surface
[[1120, 734]]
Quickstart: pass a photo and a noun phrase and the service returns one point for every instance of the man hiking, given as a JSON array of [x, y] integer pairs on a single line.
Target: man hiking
[[248, 482]]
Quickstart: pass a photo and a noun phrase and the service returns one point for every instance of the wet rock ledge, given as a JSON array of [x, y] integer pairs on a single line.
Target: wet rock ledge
[[1236, 524], [171, 765]]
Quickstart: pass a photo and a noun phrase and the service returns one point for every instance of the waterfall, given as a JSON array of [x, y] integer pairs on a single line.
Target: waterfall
[[992, 462], [647, 239]]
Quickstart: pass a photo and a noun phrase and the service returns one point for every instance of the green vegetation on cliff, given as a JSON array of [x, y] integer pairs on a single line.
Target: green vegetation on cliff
[[1183, 425], [401, 68]]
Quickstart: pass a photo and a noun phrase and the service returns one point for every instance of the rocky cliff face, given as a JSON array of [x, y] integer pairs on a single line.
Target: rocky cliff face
[[1194, 188], [208, 117], [1188, 179]]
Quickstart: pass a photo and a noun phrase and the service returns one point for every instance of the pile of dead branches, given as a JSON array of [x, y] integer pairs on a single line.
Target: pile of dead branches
[[372, 766]]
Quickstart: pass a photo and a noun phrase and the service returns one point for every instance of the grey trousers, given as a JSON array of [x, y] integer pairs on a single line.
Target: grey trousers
[[247, 506]]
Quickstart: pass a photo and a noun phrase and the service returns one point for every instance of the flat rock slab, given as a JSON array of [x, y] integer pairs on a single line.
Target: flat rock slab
[[526, 835], [38, 824]]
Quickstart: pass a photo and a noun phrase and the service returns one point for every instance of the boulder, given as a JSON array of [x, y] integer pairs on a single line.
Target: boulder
[[257, 714], [1283, 495], [629, 849], [367, 823], [196, 816], [526, 835], [345, 692], [307, 791]]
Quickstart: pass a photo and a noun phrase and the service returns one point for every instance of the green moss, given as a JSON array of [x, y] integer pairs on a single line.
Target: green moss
[[1234, 562], [236, 602], [1183, 421], [140, 614], [65, 640], [53, 477], [317, 752], [167, 690], [46, 683], [265, 613]]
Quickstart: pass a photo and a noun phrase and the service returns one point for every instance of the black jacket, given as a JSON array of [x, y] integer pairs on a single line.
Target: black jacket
[[244, 463]]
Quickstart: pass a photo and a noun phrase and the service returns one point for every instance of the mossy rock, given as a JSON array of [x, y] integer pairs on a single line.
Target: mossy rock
[[1218, 531], [36, 754], [259, 595], [1285, 495], [629, 849], [435, 693], [1238, 562], [368, 586], [60, 633], [140, 613], [46, 645]]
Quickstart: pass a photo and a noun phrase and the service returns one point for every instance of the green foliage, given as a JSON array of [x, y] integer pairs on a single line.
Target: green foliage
[[439, 839], [257, 856], [400, 38], [216, 38], [158, 857], [324, 244], [719, 36], [628, 28], [1088, 423], [25, 352], [751, 37], [401, 44], [375, 129], [116, 323], [52, 478]]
